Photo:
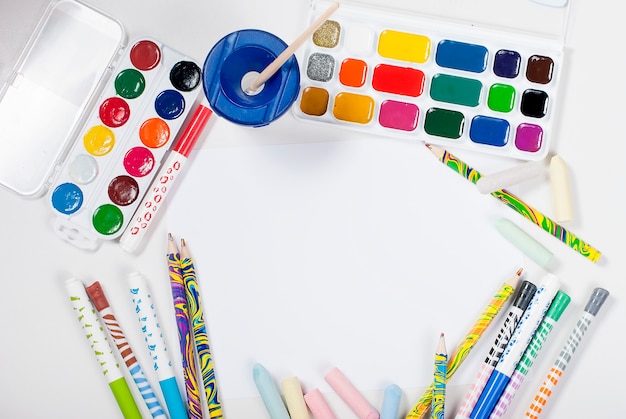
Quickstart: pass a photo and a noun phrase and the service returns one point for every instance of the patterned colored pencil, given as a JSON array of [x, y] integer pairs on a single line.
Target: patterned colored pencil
[[463, 349], [516, 204], [100, 347], [596, 300], [179, 298], [525, 294], [101, 303], [558, 306], [439, 380], [201, 339]]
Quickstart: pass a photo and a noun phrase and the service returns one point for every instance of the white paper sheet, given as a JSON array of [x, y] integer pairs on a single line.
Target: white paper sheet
[[354, 254]]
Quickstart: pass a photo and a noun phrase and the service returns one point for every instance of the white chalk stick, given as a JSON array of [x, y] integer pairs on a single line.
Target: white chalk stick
[[512, 176], [559, 179]]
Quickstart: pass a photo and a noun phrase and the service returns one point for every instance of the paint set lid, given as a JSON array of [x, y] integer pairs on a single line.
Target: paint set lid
[[543, 18], [63, 57]]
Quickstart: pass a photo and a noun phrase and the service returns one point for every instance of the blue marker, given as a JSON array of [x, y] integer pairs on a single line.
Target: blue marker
[[518, 343], [155, 342]]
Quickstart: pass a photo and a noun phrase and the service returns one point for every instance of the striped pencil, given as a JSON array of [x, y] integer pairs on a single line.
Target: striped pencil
[[201, 339], [440, 379], [194, 409], [531, 214], [100, 302]]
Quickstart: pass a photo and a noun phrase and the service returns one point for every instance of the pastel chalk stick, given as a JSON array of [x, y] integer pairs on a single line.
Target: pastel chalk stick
[[269, 392], [292, 391], [391, 402], [511, 176], [350, 395], [523, 241], [318, 406]]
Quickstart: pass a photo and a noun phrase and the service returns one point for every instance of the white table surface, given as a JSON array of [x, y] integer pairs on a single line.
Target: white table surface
[[48, 370]]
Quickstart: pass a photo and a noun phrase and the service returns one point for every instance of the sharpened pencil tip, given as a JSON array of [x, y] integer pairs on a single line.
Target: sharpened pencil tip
[[170, 237], [519, 271]]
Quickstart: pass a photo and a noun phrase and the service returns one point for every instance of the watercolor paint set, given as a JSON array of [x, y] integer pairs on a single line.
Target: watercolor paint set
[[442, 81], [87, 119]]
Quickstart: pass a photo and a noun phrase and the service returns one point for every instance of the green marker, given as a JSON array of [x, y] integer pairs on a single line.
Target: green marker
[[558, 306]]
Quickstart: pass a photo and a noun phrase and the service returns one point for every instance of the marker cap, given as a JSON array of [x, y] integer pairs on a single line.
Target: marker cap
[[96, 294], [124, 398], [525, 295], [558, 306], [597, 299]]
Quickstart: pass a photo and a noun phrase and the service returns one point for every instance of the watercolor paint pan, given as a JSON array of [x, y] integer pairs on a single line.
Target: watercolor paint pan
[[416, 77], [87, 118], [123, 142]]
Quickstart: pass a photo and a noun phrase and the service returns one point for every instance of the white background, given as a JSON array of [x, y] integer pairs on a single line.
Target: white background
[[48, 370]]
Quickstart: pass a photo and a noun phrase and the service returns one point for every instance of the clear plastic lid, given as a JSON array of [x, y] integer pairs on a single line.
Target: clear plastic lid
[[44, 95], [545, 18]]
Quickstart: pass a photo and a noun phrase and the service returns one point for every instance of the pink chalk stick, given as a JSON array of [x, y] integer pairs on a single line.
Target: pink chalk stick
[[318, 406], [350, 395]]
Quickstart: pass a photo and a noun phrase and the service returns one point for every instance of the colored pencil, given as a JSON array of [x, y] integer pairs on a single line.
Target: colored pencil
[[181, 311], [439, 380], [471, 338], [101, 303], [516, 204], [538, 404], [201, 338]]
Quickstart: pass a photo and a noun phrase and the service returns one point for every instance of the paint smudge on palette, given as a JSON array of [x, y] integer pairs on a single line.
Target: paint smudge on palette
[[436, 81]]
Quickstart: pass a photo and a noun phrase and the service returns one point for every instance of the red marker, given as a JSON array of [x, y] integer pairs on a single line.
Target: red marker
[[162, 184]]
